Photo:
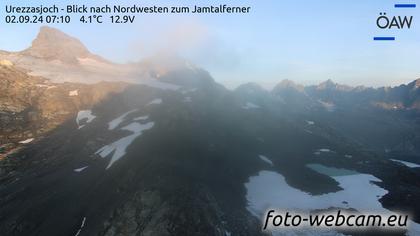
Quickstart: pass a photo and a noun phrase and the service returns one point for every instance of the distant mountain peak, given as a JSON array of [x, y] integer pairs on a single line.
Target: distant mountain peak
[[251, 88], [331, 85], [414, 85], [288, 84], [327, 84], [53, 44]]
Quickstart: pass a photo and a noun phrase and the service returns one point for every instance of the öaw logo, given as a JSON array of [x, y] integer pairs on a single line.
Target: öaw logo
[[387, 22]]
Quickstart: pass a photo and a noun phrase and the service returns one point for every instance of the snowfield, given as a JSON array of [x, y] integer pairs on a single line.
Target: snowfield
[[269, 190], [117, 121], [119, 147], [84, 115], [406, 163]]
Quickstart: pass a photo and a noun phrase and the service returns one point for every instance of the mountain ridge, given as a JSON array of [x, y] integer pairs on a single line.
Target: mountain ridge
[[53, 44]]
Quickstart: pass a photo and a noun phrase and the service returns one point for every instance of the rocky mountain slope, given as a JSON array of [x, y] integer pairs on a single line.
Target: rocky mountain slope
[[33, 106], [178, 154], [384, 120]]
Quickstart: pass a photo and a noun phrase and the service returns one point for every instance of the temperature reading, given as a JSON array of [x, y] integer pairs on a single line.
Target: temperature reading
[[91, 19], [122, 19]]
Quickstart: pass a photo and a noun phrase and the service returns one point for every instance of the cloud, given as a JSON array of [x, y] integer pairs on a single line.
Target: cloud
[[189, 39]]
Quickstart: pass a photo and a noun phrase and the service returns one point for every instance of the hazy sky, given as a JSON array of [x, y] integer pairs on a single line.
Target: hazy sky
[[307, 41]]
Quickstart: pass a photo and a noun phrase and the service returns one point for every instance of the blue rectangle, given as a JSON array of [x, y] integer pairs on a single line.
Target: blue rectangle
[[384, 38], [405, 5]]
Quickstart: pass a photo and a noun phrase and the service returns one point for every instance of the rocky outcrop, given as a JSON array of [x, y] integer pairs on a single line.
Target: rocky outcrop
[[31, 106], [148, 213], [52, 44]]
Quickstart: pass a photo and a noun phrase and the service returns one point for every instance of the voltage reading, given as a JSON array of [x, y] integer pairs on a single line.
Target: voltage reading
[[122, 19]]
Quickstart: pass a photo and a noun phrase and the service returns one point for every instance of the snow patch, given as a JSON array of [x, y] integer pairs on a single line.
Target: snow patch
[[189, 90], [308, 131], [309, 122], [82, 115], [250, 105], [117, 121], [26, 141], [154, 83], [327, 105], [265, 159], [119, 147], [45, 86], [87, 61], [141, 118], [270, 189], [155, 101], [74, 93], [322, 150], [80, 169], [81, 227], [406, 163]]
